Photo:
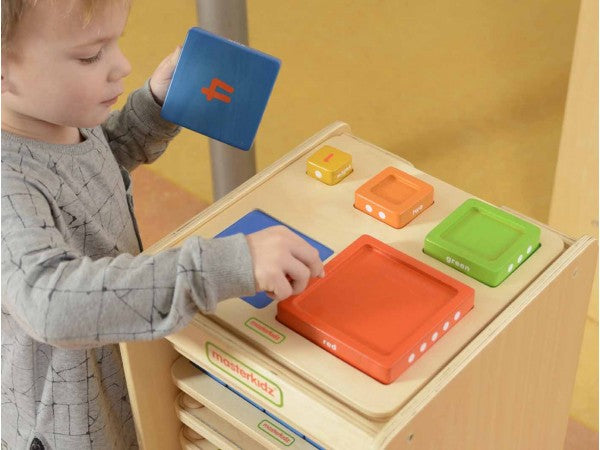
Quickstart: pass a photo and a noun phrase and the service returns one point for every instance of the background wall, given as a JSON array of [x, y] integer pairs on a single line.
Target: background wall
[[472, 92]]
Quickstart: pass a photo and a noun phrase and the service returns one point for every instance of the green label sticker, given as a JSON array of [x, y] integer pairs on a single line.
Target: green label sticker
[[249, 377]]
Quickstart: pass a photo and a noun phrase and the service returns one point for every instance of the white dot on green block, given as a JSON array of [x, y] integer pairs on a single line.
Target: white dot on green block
[[529, 249], [511, 267], [520, 259]]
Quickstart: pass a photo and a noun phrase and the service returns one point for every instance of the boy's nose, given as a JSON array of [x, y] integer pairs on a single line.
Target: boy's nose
[[121, 69]]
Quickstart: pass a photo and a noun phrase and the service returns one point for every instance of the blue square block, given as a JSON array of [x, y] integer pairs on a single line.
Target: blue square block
[[220, 88], [255, 221]]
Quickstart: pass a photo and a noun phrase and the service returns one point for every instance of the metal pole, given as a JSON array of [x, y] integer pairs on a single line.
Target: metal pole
[[230, 166]]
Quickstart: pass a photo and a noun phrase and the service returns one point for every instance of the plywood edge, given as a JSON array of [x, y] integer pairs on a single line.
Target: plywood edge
[[186, 343], [585, 245], [567, 239], [147, 365], [178, 235]]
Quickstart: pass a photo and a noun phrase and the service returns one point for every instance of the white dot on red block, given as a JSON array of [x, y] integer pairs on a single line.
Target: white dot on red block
[[423, 347], [434, 336], [369, 208], [457, 315], [446, 326], [411, 358]]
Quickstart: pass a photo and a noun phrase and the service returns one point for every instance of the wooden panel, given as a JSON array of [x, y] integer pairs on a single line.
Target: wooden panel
[[514, 391], [151, 392], [292, 398], [259, 429], [574, 207]]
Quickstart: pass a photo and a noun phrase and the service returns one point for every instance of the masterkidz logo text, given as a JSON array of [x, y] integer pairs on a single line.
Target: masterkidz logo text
[[265, 330], [245, 374]]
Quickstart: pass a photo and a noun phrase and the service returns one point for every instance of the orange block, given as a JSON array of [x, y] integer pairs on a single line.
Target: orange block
[[394, 197], [377, 308]]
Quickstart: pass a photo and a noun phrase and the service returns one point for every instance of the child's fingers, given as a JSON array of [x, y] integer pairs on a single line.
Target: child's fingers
[[175, 55], [167, 65], [282, 287], [303, 251], [171, 61], [298, 274], [309, 256]]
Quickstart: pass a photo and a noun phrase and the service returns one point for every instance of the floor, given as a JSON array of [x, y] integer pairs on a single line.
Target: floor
[[161, 207], [580, 437]]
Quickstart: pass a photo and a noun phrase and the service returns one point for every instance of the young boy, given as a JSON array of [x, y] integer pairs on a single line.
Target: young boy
[[73, 281]]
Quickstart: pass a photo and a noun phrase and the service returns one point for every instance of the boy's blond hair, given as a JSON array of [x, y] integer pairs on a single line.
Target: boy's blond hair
[[12, 11]]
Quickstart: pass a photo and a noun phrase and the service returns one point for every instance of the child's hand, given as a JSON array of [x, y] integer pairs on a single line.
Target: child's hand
[[160, 79], [283, 261]]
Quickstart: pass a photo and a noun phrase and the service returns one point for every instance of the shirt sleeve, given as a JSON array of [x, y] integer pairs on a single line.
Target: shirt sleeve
[[137, 134], [66, 299]]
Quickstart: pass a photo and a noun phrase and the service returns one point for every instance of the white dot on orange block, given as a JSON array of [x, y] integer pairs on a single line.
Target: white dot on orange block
[[381, 215], [369, 208]]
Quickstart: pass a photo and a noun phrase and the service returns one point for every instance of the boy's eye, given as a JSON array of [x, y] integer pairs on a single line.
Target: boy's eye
[[92, 59]]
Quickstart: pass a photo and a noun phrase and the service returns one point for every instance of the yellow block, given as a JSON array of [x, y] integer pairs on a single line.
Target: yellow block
[[329, 165]]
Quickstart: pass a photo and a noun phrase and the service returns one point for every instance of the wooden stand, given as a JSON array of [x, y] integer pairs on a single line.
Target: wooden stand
[[501, 378]]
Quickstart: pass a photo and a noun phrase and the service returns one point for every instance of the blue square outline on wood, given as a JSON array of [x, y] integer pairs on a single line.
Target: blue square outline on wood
[[257, 220]]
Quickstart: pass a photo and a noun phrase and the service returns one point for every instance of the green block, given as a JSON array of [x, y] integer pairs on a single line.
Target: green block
[[483, 241]]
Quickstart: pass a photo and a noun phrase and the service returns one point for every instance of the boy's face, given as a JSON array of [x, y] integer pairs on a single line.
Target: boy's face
[[60, 72]]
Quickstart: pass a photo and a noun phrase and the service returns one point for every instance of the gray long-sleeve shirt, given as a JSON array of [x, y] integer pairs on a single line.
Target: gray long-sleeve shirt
[[74, 283]]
